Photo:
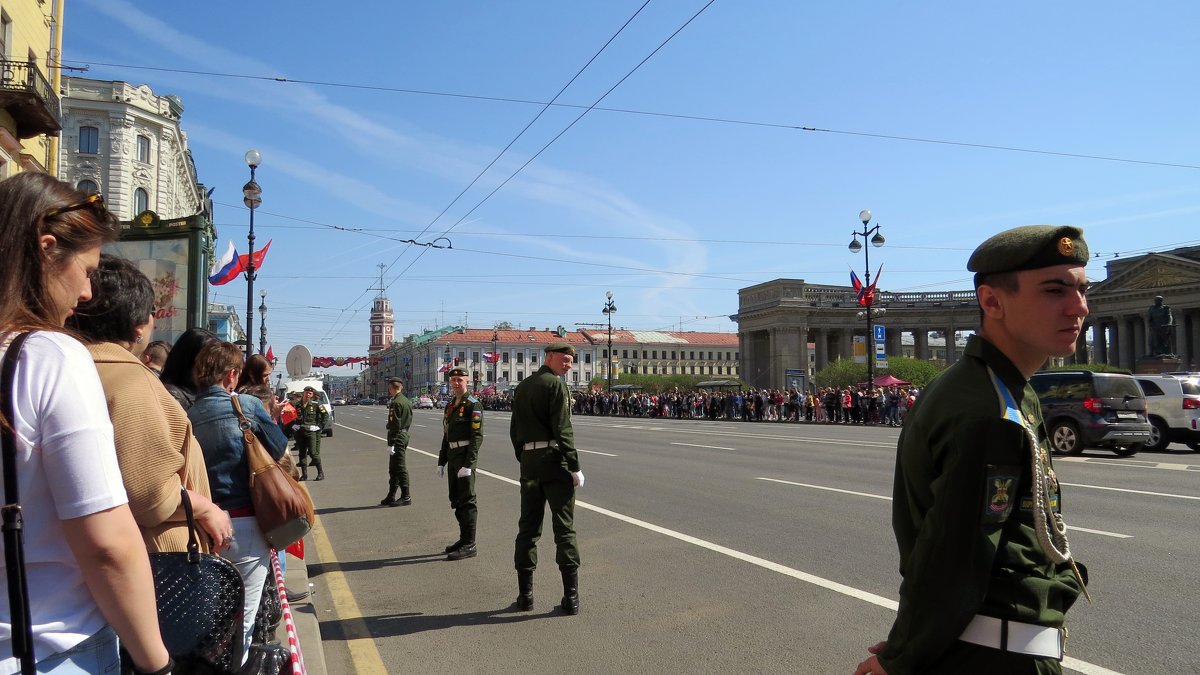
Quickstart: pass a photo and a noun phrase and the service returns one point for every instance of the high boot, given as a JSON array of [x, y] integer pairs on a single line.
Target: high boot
[[304, 473], [524, 590], [320, 473], [405, 498], [570, 601], [390, 499], [467, 550]]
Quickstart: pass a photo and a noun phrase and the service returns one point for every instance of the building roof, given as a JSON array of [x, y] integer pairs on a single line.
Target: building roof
[[586, 337], [537, 337], [651, 337]]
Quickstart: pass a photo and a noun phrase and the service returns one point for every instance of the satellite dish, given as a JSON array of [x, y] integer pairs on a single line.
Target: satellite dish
[[299, 362]]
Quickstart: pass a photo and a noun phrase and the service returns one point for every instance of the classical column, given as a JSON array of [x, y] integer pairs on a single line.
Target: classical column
[[847, 338], [1141, 345], [921, 344], [1179, 340], [951, 346], [746, 362], [821, 338], [801, 337], [894, 342], [1194, 341], [774, 368], [1100, 340], [1116, 353]]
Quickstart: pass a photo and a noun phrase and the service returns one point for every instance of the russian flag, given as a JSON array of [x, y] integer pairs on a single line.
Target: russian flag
[[490, 357], [445, 367], [228, 267], [856, 282]]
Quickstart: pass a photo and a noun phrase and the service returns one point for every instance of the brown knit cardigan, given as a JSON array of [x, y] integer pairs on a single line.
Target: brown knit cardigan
[[155, 447]]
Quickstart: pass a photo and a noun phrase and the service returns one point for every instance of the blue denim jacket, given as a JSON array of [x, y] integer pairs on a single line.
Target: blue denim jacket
[[215, 425]]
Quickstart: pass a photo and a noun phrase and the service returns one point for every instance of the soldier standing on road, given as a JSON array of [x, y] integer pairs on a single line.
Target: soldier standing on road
[[462, 435], [544, 441], [399, 420], [988, 575], [310, 420]]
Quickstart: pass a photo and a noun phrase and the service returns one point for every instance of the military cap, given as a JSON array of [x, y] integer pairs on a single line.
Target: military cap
[[561, 347], [395, 380], [1030, 247], [458, 371], [312, 389]]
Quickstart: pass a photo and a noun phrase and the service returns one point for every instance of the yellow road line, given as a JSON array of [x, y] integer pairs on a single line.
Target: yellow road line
[[363, 653]]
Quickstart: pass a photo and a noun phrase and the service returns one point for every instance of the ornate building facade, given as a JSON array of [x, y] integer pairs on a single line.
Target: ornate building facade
[[30, 117]]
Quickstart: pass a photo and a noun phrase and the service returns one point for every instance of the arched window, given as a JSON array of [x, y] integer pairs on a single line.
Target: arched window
[[89, 140], [143, 149], [141, 201], [88, 187]]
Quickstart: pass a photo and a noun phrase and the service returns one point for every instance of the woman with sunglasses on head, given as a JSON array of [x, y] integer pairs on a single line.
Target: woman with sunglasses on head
[[155, 447], [88, 585]]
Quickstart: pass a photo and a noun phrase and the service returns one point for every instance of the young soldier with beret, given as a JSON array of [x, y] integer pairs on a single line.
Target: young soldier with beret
[[988, 575], [544, 441], [400, 417], [462, 436]]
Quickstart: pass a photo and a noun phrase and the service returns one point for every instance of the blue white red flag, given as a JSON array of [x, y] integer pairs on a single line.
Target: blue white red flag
[[856, 282], [228, 267], [490, 357], [445, 367]]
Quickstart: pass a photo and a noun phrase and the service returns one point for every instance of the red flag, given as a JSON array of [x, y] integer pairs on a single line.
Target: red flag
[[270, 353], [259, 256], [867, 296], [297, 549]]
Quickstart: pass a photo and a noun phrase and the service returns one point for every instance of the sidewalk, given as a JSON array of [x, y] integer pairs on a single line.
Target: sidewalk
[[304, 614]]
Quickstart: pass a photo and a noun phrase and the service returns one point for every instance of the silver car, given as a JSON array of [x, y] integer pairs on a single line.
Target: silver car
[[1173, 408]]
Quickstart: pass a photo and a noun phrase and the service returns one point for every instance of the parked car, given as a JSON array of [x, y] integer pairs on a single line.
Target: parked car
[[365, 401], [339, 401], [1092, 409], [440, 402], [423, 402], [1173, 405]]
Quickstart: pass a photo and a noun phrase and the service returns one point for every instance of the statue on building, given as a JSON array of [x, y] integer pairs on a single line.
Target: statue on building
[[1161, 325]]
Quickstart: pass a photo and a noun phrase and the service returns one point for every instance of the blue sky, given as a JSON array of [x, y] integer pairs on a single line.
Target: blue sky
[[671, 214]]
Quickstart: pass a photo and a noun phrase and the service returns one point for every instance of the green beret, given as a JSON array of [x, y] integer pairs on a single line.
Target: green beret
[[561, 347], [458, 370], [395, 380], [1029, 248], [312, 389]]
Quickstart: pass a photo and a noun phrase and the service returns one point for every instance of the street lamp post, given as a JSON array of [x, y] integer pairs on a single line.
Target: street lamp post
[[496, 362], [610, 308], [251, 197], [877, 240], [262, 322]]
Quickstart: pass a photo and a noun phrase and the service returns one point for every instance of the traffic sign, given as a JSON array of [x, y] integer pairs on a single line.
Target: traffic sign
[[880, 333]]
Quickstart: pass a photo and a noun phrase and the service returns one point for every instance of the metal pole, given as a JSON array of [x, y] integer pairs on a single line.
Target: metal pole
[[610, 357], [262, 325], [250, 284], [870, 335]]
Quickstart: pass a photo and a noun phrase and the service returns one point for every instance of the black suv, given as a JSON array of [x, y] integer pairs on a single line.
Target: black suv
[[1085, 409]]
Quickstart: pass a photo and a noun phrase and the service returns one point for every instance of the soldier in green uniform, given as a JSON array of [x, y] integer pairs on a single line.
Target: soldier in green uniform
[[399, 420], [988, 575], [462, 435], [544, 441], [310, 420]]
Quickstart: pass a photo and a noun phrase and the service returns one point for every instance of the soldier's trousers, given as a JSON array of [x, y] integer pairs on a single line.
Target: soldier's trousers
[[558, 492], [398, 468], [308, 446], [462, 493]]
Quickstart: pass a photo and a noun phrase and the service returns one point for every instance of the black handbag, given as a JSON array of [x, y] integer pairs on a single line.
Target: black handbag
[[14, 541], [270, 613], [200, 605]]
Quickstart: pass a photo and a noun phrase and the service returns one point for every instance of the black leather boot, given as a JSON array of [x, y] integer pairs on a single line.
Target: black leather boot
[[467, 550], [320, 473], [405, 498], [304, 473], [524, 590], [390, 499], [570, 601]]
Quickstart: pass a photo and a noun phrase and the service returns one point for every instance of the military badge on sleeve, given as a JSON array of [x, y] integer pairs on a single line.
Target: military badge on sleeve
[[1000, 490], [476, 419]]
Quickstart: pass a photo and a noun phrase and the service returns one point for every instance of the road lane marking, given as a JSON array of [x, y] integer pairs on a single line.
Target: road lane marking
[[596, 452], [711, 447], [822, 487], [1134, 464], [828, 584], [1103, 533], [359, 640], [1136, 492]]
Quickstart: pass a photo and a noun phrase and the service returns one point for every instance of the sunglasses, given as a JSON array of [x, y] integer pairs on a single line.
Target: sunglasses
[[94, 201]]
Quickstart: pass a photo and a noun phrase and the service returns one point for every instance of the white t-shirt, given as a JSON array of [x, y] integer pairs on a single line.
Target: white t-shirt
[[66, 468]]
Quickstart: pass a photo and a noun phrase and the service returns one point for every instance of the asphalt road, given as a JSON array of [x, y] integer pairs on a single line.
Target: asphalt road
[[708, 547]]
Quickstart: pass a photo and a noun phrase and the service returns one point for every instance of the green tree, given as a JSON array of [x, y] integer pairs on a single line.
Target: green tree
[[655, 384], [845, 372]]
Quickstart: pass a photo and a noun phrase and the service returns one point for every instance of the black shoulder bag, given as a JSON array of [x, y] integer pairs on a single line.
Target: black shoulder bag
[[13, 523]]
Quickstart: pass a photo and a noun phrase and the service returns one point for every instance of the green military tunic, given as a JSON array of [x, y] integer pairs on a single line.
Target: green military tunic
[[963, 517], [462, 426], [541, 411], [308, 443], [400, 417]]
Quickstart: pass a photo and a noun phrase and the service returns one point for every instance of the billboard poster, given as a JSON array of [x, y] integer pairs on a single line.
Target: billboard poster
[[164, 260]]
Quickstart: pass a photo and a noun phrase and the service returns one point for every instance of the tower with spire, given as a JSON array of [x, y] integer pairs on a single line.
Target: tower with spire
[[382, 322]]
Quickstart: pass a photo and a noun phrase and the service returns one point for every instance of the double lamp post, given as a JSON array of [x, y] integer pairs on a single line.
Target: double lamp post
[[610, 308], [877, 240], [252, 197]]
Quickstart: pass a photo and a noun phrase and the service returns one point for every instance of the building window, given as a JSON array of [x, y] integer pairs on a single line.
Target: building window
[[588, 375], [88, 187], [504, 374], [605, 352], [710, 356], [692, 355], [533, 357], [654, 370], [654, 354], [141, 201], [504, 359], [520, 375], [475, 357], [6, 29], [89, 140], [143, 149], [462, 356], [575, 376], [643, 353], [672, 370], [624, 353], [672, 353], [520, 357], [587, 356]]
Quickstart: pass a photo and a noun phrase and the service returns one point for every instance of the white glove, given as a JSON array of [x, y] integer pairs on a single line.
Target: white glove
[[295, 426], [313, 427], [464, 472], [441, 471], [391, 450], [577, 478]]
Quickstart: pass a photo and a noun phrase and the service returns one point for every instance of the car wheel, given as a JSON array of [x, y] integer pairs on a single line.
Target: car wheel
[[1064, 439], [1128, 450], [1194, 446], [1158, 435]]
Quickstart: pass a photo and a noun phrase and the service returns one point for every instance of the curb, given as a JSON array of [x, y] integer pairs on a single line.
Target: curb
[[304, 615]]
